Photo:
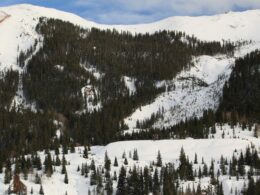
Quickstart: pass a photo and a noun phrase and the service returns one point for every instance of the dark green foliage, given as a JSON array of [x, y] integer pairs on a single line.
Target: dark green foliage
[[57, 161], [122, 183], [185, 169], [253, 188], [133, 182], [41, 192], [196, 159], [135, 155], [107, 162], [92, 165], [7, 176], [66, 180], [156, 184], [219, 189], [159, 159], [23, 131], [241, 94], [196, 128], [115, 162], [8, 87], [93, 177], [37, 179], [85, 152], [48, 165], [125, 161], [109, 186]]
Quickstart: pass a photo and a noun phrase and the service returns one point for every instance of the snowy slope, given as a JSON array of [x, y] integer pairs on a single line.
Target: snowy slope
[[147, 151], [18, 22], [17, 33], [185, 97]]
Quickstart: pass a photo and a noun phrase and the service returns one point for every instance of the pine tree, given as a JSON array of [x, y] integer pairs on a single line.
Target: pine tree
[[85, 152], [222, 166], [219, 189], [48, 165], [99, 182], [9, 191], [196, 159], [64, 149], [156, 184], [93, 178], [82, 169], [141, 182], [63, 169], [115, 162], [198, 189], [17, 168], [205, 170], [109, 186], [124, 155], [185, 169], [241, 168], [125, 161], [72, 148], [122, 183], [86, 170], [1, 166], [38, 163], [147, 180], [41, 192], [200, 173], [7, 177], [66, 180], [107, 162], [115, 176], [159, 160], [57, 161], [92, 165], [133, 182], [37, 179], [135, 155], [25, 173], [255, 131]]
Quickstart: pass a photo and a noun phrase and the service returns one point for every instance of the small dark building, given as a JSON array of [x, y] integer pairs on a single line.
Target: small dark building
[[18, 187]]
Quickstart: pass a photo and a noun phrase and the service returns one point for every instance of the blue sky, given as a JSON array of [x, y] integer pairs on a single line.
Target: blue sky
[[140, 11]]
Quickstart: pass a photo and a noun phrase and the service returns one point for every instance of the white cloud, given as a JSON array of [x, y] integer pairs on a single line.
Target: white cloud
[[138, 11]]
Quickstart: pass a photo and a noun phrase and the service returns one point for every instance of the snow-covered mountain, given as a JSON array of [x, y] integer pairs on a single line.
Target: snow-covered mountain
[[187, 95], [17, 27], [17, 33]]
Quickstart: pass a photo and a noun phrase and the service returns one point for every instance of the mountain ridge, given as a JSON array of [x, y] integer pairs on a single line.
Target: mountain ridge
[[170, 23], [18, 32]]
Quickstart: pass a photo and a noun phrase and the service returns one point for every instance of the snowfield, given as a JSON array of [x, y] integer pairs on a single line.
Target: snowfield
[[208, 149]]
